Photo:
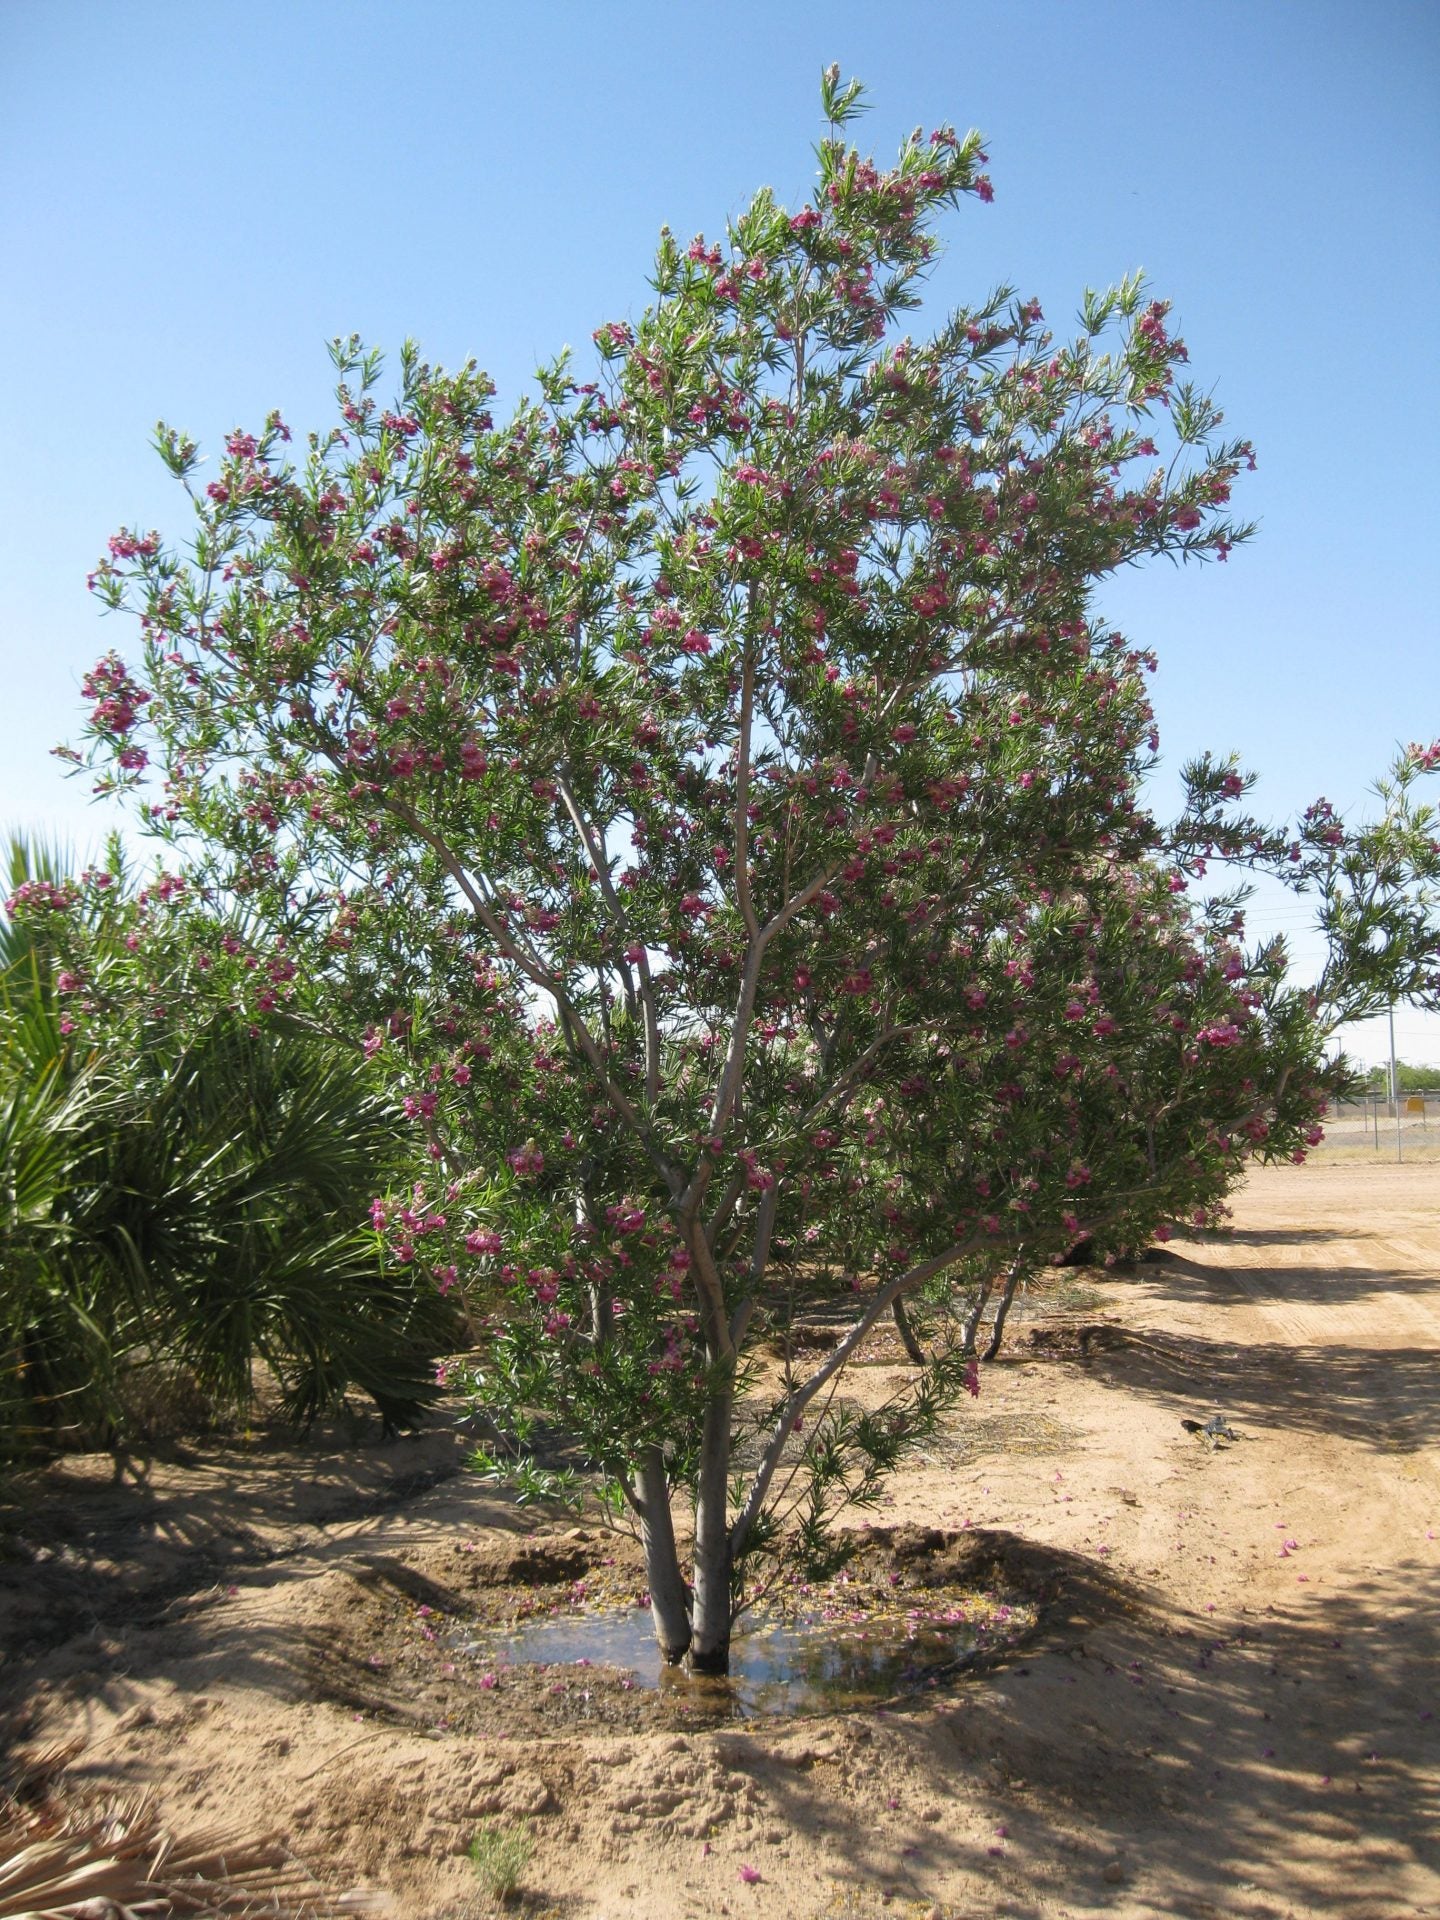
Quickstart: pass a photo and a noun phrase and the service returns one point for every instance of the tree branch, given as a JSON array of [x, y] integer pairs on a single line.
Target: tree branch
[[843, 1083], [797, 1401], [711, 1290], [554, 985], [595, 848], [759, 1261], [742, 778]]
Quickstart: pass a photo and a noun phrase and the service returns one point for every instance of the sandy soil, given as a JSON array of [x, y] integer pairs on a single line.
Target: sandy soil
[[1227, 1708]]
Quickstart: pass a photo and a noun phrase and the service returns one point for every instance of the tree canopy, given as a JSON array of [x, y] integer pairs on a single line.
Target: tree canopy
[[714, 803]]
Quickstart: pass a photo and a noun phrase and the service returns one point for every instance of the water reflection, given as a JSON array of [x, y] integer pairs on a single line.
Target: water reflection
[[776, 1666]]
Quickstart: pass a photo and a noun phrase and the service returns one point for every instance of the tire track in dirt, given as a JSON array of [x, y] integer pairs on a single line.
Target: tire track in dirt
[[1392, 1283], [1387, 1315]]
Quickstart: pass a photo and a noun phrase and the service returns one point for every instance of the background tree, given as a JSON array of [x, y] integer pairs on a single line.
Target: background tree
[[717, 801], [1412, 1078]]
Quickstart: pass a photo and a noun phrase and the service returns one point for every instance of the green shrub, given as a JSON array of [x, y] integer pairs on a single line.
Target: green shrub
[[196, 1203]]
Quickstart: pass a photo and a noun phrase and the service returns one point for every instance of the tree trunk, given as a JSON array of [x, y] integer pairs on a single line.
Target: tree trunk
[[669, 1602], [710, 1621], [997, 1332], [907, 1332], [976, 1315]]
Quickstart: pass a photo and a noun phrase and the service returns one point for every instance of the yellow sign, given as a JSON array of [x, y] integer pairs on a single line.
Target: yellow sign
[[1416, 1104]]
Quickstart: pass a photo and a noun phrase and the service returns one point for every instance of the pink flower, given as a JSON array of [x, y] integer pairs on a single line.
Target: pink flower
[[749, 1874], [128, 546], [1226, 1035]]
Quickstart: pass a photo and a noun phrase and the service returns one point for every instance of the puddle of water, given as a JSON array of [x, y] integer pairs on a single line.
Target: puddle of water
[[776, 1667]]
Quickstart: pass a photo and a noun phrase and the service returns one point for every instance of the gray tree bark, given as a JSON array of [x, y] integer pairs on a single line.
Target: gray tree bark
[[907, 1332], [997, 1332], [710, 1616], [669, 1600]]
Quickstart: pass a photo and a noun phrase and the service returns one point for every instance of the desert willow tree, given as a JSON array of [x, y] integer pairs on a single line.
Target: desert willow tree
[[686, 786]]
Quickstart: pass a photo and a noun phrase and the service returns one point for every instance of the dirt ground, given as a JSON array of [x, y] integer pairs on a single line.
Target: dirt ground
[[1226, 1707]]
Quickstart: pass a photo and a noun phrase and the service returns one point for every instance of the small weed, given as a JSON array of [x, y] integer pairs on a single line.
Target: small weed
[[500, 1855]]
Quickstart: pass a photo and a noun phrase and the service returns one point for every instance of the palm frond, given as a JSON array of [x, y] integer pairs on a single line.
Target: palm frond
[[198, 1196], [58, 1854]]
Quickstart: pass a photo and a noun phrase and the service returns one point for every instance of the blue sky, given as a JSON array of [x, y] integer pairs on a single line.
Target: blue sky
[[196, 198]]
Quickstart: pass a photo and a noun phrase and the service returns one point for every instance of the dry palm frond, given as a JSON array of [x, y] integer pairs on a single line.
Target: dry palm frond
[[87, 1860]]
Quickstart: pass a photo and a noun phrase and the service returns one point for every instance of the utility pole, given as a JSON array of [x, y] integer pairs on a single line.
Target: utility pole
[[1395, 1089]]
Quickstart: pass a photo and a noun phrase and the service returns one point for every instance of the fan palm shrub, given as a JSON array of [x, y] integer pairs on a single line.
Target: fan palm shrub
[[190, 1198]]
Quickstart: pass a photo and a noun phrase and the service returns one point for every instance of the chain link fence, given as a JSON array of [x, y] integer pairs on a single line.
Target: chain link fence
[[1377, 1125]]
